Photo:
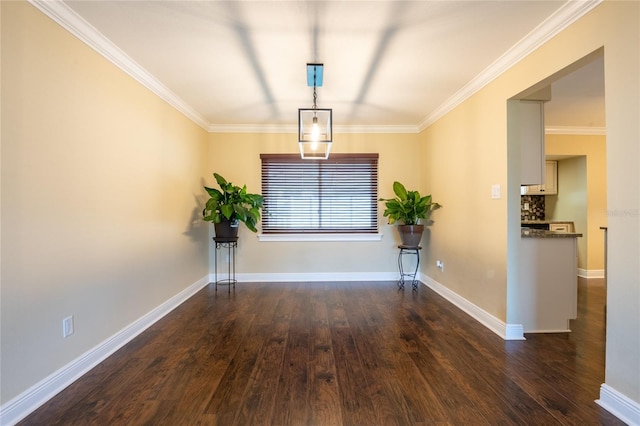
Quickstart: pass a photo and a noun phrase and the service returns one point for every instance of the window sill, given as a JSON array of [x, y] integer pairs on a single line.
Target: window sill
[[319, 237]]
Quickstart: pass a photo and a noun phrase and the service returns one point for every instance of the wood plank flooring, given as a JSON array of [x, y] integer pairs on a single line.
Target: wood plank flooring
[[360, 353]]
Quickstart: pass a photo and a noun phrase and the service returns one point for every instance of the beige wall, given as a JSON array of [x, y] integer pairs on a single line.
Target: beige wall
[[100, 198], [618, 24], [464, 155], [594, 148], [237, 158], [474, 231]]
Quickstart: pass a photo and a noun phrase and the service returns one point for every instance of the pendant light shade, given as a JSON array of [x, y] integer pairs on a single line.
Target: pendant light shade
[[315, 132], [315, 125]]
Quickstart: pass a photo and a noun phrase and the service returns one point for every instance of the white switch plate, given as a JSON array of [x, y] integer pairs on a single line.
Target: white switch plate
[[67, 326], [495, 191]]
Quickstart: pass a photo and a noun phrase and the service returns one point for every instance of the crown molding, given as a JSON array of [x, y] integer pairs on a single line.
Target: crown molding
[[292, 128], [76, 25], [560, 20], [574, 130], [377, 129], [252, 128], [62, 14], [80, 28]]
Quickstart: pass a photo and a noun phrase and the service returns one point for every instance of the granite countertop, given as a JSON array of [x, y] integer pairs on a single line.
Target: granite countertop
[[533, 222], [541, 233]]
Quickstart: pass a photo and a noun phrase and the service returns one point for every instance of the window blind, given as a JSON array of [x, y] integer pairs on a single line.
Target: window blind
[[337, 195]]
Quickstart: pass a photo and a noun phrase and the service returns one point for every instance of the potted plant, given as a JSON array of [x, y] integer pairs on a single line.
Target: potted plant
[[408, 208], [230, 205]]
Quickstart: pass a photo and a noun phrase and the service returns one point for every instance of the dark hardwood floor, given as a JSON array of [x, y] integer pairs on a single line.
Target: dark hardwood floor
[[340, 354]]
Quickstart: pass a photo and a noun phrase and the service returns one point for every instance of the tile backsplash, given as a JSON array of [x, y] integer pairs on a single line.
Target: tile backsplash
[[536, 207]]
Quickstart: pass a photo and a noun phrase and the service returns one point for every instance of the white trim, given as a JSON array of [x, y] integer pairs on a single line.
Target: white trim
[[574, 130], [76, 25], [514, 332], [319, 237], [619, 405], [22, 405], [313, 277], [506, 331], [293, 129], [84, 31], [377, 129], [590, 273], [252, 128], [570, 12], [87, 33], [542, 331]]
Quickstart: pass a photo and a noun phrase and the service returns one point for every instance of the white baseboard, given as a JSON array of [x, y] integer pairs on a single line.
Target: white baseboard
[[313, 277], [591, 273], [28, 401], [619, 405], [514, 332], [506, 331]]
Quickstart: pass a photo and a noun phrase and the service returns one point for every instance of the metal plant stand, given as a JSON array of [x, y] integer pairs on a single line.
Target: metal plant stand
[[231, 244], [404, 275]]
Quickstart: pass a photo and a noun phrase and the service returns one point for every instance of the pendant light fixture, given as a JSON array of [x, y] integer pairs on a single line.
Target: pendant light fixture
[[315, 131]]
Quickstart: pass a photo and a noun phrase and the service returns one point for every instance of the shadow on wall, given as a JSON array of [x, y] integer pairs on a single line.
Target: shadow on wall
[[196, 227]]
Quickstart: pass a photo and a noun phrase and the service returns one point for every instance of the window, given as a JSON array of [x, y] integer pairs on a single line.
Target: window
[[337, 195]]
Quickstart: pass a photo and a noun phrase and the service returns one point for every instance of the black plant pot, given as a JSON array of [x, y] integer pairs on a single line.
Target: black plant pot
[[410, 235], [227, 230]]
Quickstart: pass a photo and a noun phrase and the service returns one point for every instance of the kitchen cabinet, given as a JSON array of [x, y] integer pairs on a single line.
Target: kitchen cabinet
[[530, 131], [550, 186]]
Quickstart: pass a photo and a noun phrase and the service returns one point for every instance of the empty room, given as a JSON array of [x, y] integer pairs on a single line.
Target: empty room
[[433, 210]]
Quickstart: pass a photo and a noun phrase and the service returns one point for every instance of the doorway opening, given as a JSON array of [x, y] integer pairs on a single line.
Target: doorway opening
[[575, 137]]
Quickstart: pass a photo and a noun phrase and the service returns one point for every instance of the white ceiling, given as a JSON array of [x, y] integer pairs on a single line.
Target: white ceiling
[[396, 64]]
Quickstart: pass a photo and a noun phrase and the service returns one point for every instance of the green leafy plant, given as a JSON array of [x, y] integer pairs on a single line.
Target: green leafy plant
[[233, 203], [408, 207]]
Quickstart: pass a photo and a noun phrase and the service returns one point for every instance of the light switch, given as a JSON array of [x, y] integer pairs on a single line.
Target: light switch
[[495, 191]]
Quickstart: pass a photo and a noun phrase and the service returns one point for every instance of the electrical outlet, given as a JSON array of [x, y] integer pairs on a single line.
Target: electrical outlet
[[526, 206], [67, 326], [440, 265]]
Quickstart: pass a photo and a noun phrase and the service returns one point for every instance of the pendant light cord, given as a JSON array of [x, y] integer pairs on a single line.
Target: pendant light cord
[[315, 97]]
